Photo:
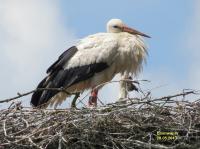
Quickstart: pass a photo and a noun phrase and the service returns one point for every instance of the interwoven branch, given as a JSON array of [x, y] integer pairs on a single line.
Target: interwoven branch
[[130, 123]]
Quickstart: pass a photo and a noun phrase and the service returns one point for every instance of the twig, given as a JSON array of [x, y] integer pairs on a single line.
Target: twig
[[30, 92], [131, 123], [4, 128]]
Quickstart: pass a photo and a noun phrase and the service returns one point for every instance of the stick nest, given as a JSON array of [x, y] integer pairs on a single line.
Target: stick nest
[[166, 122]]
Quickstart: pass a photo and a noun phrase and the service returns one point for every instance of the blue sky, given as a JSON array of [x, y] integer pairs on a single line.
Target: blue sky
[[168, 22], [34, 33], [165, 21]]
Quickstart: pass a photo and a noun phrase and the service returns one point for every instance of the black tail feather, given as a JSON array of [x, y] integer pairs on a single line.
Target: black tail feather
[[36, 95], [42, 96]]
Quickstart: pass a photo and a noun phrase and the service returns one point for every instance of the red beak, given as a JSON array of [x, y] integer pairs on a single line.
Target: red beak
[[133, 31]]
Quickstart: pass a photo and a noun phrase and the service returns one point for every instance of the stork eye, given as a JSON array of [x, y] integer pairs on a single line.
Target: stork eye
[[115, 26]]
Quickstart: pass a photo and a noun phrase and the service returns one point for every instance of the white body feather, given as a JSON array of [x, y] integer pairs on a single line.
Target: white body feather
[[123, 52]]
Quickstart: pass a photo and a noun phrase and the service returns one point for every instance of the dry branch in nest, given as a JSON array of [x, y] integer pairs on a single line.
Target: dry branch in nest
[[167, 122]]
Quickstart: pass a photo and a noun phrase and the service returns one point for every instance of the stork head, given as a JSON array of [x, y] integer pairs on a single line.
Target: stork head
[[117, 26]]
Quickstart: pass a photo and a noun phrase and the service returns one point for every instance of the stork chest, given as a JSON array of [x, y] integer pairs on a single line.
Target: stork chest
[[131, 54]]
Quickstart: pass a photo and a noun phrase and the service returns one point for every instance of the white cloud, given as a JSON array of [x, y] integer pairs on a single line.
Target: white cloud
[[32, 35]]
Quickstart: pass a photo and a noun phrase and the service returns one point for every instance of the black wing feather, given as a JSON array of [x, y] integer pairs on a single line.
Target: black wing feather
[[63, 58], [58, 77]]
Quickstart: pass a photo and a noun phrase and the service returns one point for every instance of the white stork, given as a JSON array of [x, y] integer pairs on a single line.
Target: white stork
[[96, 59]]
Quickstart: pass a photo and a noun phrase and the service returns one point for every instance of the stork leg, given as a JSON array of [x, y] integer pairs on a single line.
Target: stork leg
[[93, 98], [123, 93], [126, 86], [73, 104]]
